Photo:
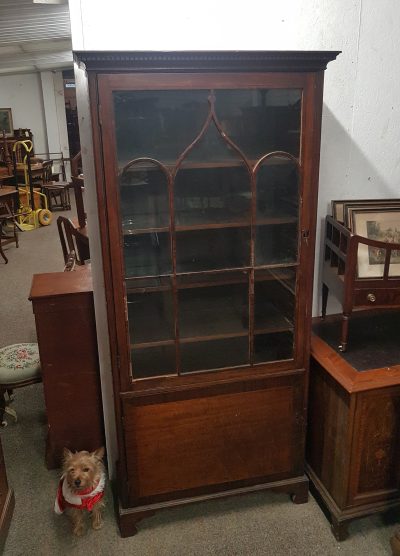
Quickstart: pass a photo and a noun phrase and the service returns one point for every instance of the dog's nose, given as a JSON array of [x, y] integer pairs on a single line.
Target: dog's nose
[[77, 482]]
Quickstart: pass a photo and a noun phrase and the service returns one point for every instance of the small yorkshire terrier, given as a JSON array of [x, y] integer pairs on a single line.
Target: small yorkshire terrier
[[81, 487]]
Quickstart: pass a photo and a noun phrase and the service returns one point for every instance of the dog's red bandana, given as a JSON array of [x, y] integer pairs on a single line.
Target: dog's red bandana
[[84, 500]]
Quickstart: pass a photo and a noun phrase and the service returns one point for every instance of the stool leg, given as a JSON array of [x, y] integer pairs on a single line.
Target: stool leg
[[2, 253], [3, 423], [325, 293], [344, 332]]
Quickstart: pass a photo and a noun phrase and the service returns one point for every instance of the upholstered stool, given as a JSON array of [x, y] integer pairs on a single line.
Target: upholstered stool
[[19, 366]]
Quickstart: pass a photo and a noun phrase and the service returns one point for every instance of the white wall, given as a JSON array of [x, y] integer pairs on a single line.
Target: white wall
[[23, 94], [37, 103], [54, 111], [360, 153]]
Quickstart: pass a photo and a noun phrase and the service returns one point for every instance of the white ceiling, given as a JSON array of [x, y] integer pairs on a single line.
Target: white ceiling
[[34, 36]]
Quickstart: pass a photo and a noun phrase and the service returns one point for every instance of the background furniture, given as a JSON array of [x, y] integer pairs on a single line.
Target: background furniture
[[353, 448], [78, 184], [76, 164], [340, 275], [8, 200], [207, 255], [7, 502], [63, 306], [56, 190], [73, 239]]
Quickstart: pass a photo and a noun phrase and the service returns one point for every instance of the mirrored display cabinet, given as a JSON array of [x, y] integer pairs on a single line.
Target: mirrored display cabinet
[[207, 174]]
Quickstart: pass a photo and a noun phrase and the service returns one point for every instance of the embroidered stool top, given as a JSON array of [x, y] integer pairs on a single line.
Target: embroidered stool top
[[19, 362]]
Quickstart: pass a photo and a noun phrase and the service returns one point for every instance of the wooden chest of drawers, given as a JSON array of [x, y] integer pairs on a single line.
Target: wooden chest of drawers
[[65, 324]]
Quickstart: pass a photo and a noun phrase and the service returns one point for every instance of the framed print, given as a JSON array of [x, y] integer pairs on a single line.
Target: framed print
[[339, 206], [6, 123], [380, 225], [373, 204], [350, 209]]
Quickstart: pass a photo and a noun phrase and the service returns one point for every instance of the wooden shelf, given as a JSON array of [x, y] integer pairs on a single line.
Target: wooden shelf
[[217, 321], [263, 272], [196, 165], [271, 221]]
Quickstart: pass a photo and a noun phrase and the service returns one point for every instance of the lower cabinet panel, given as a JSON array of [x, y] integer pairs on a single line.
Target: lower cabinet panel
[[193, 445], [376, 473]]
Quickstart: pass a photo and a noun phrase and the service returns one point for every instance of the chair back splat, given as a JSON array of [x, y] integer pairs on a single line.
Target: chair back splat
[[72, 240]]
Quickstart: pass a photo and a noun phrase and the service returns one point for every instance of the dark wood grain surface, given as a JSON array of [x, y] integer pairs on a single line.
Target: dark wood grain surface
[[191, 437], [374, 338]]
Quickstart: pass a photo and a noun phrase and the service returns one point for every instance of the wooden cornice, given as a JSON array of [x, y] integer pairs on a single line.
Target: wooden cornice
[[206, 61]]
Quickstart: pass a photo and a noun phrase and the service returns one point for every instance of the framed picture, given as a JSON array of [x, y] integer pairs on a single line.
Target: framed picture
[[6, 123], [381, 225], [378, 205], [339, 206]]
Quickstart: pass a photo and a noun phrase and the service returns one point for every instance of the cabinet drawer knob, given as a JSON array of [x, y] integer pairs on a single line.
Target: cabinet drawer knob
[[371, 297]]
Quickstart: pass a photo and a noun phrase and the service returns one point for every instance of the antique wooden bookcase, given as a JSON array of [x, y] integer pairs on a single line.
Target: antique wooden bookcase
[[207, 176]]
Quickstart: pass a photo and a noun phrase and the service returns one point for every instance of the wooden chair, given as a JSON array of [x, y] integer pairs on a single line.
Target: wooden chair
[[7, 218], [57, 192], [72, 240], [78, 185], [76, 164]]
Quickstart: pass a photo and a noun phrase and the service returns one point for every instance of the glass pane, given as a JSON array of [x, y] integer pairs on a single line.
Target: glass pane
[[261, 120], [157, 124], [151, 317], [273, 347], [147, 254], [212, 196], [274, 314], [213, 249], [277, 184], [151, 327], [215, 306], [214, 354], [155, 361], [144, 199]]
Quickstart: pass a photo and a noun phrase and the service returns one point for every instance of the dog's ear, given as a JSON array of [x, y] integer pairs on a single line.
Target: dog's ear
[[99, 453], [66, 453]]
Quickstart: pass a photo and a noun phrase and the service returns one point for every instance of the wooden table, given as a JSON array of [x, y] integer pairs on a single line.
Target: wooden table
[[353, 443], [8, 194], [36, 170], [65, 324]]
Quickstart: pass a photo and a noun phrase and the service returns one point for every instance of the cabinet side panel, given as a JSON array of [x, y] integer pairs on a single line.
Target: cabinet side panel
[[328, 434], [215, 440], [68, 352]]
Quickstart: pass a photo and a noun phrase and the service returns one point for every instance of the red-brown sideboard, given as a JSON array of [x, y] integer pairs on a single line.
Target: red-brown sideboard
[[353, 444], [66, 331]]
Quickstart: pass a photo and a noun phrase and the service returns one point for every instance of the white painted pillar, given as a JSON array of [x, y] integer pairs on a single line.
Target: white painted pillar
[[99, 296], [54, 113]]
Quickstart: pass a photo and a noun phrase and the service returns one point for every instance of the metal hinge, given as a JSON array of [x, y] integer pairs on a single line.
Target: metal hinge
[[305, 234]]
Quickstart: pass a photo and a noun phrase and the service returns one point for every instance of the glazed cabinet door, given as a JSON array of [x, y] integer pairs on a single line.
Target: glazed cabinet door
[[204, 183]]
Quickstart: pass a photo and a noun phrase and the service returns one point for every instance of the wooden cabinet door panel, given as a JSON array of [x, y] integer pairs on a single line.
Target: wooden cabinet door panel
[[181, 446]]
